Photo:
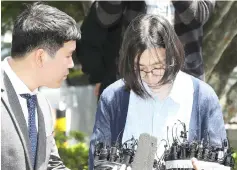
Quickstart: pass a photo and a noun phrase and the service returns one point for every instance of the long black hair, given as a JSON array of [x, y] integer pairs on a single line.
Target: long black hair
[[148, 32]]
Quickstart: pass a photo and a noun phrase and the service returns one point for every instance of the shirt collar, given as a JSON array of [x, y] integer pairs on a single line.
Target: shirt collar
[[182, 85], [17, 83], [181, 88]]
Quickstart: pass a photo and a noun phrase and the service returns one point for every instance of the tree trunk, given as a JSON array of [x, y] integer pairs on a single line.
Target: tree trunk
[[221, 73], [221, 9], [231, 103], [219, 39]]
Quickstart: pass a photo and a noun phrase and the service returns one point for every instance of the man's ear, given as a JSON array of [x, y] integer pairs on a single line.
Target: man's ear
[[40, 57]]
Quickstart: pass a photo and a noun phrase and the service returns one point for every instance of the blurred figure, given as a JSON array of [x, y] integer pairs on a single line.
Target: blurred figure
[[102, 32]]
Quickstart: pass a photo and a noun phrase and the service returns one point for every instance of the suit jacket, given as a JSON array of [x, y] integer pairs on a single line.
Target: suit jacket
[[15, 142]]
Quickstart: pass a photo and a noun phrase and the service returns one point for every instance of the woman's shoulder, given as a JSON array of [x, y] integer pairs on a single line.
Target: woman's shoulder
[[115, 90], [203, 91]]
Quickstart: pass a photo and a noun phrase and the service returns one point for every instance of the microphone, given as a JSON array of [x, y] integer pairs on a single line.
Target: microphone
[[145, 153]]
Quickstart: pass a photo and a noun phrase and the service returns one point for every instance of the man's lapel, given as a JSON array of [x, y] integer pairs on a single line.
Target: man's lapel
[[12, 103]]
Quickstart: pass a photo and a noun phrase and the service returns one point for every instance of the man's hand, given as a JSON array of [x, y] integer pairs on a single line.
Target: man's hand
[[97, 89], [123, 167]]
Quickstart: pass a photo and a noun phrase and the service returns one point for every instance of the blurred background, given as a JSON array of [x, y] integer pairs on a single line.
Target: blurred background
[[74, 104]]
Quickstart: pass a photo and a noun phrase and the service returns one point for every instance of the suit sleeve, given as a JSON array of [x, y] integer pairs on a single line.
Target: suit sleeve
[[194, 11], [55, 161]]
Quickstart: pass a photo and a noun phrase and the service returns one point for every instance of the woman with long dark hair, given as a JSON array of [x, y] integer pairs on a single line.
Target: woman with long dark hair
[[154, 93]]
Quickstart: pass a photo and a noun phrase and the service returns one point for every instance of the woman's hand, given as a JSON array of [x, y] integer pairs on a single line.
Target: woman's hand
[[195, 164], [97, 89]]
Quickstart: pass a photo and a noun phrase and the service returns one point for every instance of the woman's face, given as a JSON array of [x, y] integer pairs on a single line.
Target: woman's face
[[152, 66]]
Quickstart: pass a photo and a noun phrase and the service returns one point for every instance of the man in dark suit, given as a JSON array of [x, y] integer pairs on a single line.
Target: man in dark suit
[[43, 41]]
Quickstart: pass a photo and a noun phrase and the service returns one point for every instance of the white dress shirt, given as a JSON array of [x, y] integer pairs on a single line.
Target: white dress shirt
[[20, 88]]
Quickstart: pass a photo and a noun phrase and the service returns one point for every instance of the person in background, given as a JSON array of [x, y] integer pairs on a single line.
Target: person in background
[[102, 32], [154, 92], [43, 41]]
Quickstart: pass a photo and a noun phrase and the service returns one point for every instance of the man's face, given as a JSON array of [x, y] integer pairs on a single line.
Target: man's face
[[55, 69]]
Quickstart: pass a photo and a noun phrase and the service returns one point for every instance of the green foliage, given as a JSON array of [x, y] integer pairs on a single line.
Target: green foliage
[[235, 157], [74, 157], [75, 72]]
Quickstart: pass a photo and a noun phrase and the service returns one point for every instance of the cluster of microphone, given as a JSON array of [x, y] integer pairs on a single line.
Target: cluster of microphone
[[179, 154], [106, 157], [141, 154]]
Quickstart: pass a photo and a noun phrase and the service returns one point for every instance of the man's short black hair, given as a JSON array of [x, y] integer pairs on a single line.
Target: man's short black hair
[[147, 32], [42, 26]]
